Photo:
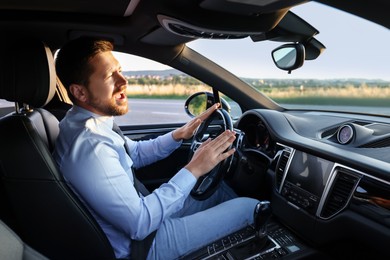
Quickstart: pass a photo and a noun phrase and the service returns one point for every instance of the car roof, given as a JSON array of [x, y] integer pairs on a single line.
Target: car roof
[[134, 25]]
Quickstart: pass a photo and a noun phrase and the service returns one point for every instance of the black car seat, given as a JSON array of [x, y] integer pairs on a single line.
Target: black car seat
[[12, 247], [36, 201]]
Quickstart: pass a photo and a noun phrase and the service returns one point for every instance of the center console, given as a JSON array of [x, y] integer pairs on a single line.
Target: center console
[[244, 244], [303, 178], [301, 186], [265, 239]]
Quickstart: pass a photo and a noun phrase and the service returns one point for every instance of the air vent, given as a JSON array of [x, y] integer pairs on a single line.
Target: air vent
[[341, 191], [329, 132], [377, 144], [281, 167]]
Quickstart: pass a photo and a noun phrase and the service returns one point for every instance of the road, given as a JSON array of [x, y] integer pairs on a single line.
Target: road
[[150, 111]]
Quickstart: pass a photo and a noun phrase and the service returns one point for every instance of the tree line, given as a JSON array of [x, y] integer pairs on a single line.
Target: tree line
[[261, 84], [171, 80]]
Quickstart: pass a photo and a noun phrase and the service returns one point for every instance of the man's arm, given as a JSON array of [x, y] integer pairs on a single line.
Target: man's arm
[[100, 173]]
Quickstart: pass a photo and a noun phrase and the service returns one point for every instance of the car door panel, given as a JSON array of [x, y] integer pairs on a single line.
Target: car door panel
[[159, 172]]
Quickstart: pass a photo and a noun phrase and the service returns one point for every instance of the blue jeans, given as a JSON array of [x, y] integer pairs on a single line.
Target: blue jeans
[[199, 223]]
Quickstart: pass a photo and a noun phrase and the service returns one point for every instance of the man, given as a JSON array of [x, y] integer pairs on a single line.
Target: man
[[95, 163]]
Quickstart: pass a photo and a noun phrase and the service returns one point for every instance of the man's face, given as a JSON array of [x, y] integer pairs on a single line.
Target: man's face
[[106, 91]]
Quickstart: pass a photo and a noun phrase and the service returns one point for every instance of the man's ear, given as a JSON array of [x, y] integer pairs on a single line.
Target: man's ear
[[79, 92]]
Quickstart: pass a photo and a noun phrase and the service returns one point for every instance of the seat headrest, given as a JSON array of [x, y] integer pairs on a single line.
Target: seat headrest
[[27, 72]]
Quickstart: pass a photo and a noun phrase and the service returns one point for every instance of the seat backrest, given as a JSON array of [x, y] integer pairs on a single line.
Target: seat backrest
[[45, 212]]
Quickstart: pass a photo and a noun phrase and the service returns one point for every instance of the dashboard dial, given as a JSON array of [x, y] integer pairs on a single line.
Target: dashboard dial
[[345, 134], [257, 137]]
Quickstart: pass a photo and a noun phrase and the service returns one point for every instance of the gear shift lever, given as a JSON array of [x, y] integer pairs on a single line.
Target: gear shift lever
[[260, 243], [261, 216]]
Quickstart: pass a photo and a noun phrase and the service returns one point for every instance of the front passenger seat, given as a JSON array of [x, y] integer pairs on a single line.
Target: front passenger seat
[[13, 248], [45, 213]]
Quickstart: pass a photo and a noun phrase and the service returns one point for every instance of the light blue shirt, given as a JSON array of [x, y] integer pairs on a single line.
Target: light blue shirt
[[94, 162]]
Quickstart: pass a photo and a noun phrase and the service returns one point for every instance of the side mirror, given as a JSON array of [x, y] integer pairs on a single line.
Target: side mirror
[[199, 102], [289, 56]]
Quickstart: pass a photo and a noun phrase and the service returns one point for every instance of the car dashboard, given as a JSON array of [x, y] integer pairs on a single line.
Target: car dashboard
[[330, 184]]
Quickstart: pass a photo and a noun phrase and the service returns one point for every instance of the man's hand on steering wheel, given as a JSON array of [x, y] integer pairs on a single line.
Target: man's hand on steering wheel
[[210, 153], [187, 131]]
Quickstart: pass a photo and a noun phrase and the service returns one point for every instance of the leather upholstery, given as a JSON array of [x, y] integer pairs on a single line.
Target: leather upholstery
[[45, 212], [12, 247], [27, 72]]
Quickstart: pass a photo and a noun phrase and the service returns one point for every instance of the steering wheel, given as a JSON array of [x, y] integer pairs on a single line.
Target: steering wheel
[[208, 183]]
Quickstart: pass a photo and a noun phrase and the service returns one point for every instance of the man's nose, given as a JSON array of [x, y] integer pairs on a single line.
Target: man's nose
[[121, 80]]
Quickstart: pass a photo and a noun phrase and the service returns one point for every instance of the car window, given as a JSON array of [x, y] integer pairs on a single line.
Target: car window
[[351, 74], [6, 107], [157, 92], [5, 103]]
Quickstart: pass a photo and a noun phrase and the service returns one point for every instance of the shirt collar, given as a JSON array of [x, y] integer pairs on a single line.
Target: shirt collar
[[84, 113]]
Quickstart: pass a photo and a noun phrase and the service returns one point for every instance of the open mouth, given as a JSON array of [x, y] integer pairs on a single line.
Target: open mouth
[[121, 96]]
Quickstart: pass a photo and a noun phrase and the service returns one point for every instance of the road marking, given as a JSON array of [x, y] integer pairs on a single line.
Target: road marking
[[166, 113]]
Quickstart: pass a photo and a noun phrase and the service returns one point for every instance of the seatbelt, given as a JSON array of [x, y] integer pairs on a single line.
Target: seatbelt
[[139, 186], [139, 248]]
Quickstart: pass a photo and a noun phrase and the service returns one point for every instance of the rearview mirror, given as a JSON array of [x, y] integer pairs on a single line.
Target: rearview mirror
[[199, 102], [289, 56]]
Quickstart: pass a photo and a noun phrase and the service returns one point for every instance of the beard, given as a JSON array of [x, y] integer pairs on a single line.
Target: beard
[[111, 107]]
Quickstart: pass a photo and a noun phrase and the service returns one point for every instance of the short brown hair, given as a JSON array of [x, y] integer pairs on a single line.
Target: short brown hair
[[72, 61]]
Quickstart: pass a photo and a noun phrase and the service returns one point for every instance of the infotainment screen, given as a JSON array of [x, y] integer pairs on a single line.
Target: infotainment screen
[[309, 172]]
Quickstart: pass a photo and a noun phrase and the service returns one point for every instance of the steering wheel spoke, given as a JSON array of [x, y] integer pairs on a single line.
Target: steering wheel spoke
[[194, 146]]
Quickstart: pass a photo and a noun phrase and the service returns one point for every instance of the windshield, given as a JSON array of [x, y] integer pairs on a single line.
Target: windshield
[[352, 74]]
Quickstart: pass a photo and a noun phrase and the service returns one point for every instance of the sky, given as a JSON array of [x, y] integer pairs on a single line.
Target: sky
[[344, 48]]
